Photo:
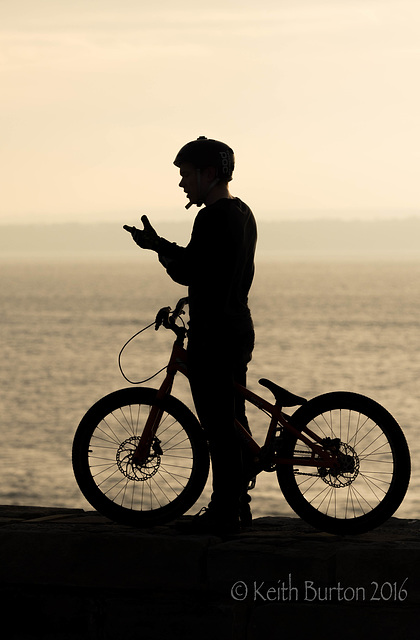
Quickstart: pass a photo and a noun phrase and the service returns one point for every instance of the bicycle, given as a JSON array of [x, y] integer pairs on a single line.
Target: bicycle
[[140, 456]]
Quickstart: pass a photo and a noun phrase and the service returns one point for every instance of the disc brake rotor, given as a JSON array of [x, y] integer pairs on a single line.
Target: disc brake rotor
[[133, 471], [347, 470]]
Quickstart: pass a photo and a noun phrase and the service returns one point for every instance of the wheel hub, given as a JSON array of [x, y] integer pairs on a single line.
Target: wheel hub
[[133, 471], [347, 468]]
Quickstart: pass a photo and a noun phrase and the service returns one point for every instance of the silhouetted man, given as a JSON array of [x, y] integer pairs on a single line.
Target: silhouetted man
[[217, 265]]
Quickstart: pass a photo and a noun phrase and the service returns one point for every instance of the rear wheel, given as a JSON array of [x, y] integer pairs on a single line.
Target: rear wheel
[[373, 472], [166, 485]]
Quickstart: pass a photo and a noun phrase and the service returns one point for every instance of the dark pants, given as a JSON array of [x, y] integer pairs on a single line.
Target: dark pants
[[214, 365]]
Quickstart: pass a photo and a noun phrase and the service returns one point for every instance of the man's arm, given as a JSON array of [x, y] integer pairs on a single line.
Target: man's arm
[[171, 256]]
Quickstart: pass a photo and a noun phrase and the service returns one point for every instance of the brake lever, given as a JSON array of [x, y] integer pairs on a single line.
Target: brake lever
[[162, 317]]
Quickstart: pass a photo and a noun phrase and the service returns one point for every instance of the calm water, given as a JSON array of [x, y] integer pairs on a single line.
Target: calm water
[[320, 327]]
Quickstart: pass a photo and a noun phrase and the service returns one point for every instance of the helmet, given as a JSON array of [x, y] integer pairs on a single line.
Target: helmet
[[205, 152]]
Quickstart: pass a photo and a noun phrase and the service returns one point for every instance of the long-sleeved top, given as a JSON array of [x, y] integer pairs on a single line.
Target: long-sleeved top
[[217, 265]]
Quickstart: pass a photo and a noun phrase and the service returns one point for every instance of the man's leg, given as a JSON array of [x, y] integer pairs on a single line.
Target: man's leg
[[211, 380], [243, 348]]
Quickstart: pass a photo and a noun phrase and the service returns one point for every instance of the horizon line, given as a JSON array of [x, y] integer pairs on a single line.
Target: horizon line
[[403, 216]]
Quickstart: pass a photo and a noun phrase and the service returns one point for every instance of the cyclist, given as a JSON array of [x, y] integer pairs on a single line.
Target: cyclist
[[217, 265]]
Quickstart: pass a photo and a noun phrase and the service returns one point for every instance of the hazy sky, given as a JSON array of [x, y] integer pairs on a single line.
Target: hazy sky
[[320, 100]]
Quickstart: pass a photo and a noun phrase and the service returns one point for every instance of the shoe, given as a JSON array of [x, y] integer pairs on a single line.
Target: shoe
[[210, 521], [245, 515]]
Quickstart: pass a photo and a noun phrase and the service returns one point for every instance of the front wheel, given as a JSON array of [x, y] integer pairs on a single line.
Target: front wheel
[[166, 485], [372, 475]]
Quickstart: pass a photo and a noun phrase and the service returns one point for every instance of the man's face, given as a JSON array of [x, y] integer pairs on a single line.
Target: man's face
[[188, 182]]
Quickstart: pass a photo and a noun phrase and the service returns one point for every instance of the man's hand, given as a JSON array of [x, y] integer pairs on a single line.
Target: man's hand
[[147, 238]]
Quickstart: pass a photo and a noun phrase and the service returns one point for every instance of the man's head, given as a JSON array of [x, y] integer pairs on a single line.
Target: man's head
[[203, 163]]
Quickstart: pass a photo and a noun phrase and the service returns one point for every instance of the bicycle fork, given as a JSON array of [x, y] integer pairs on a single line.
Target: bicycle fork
[[148, 438]]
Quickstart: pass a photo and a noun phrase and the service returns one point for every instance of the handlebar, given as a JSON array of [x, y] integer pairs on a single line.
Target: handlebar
[[167, 318]]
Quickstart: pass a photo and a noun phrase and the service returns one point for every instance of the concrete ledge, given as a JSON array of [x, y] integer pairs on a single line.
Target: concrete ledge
[[67, 574]]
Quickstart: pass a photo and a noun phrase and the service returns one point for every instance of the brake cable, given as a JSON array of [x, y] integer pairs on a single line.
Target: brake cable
[[120, 354]]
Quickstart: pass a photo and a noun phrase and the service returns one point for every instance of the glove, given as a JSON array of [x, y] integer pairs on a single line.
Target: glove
[[147, 238]]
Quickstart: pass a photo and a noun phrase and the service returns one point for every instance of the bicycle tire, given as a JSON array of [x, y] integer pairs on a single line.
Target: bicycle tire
[[375, 472], [171, 480]]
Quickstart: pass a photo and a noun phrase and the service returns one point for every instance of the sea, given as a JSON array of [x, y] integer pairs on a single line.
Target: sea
[[321, 325]]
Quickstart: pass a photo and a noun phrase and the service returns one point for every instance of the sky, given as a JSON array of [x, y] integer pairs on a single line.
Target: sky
[[319, 99]]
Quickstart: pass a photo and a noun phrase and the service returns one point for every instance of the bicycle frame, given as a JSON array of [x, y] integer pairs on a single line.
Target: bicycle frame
[[265, 457]]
